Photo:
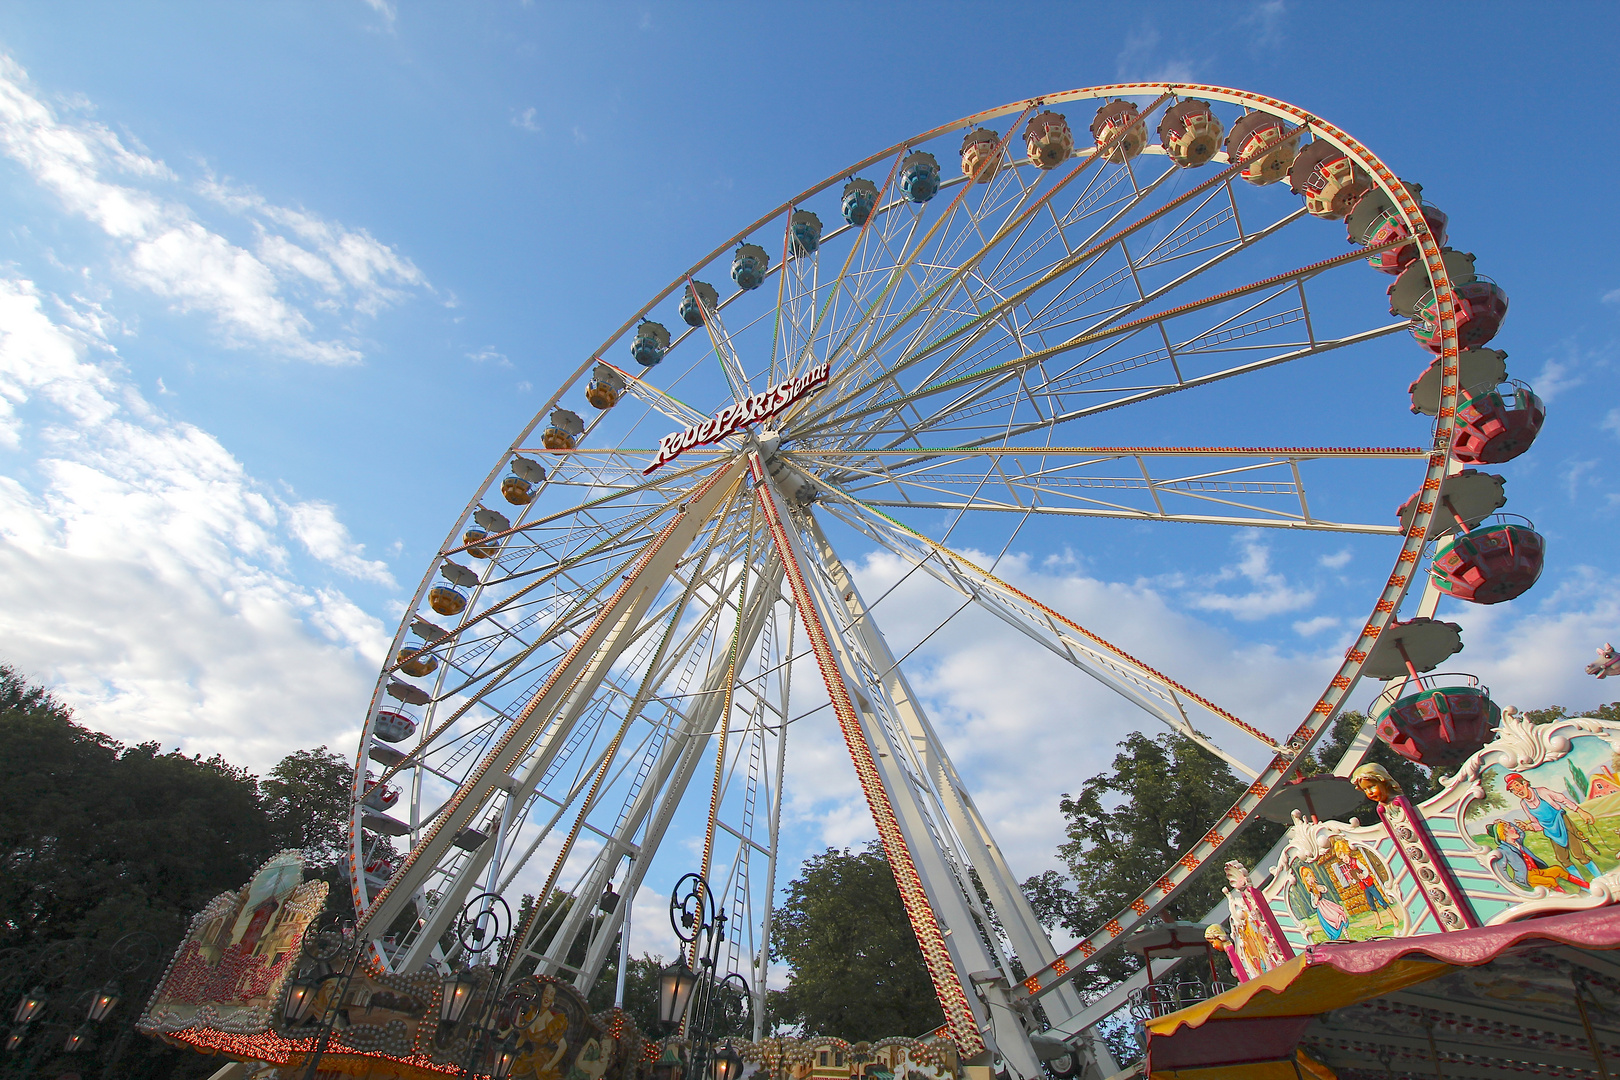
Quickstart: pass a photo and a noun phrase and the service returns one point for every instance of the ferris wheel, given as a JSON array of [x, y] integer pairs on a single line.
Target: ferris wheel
[[651, 591]]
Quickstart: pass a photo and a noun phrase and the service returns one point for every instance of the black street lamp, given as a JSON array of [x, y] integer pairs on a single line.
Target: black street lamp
[[505, 1054], [76, 1038], [56, 1003], [727, 1064], [696, 996], [481, 932], [102, 1003], [459, 987], [333, 955]]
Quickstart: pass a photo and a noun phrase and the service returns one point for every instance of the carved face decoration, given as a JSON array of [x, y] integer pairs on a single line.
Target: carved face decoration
[[1375, 783]]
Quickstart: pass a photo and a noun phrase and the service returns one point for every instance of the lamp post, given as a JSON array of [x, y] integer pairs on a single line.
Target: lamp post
[[56, 1002], [697, 997], [484, 929], [332, 955]]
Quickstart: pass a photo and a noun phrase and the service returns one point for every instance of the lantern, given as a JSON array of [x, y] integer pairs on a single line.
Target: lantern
[[76, 1038], [727, 1065], [675, 985], [504, 1055], [30, 1005], [300, 999], [103, 1003], [458, 991]]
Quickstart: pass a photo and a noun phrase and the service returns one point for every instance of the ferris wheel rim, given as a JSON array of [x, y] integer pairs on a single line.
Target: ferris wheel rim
[[1328, 703]]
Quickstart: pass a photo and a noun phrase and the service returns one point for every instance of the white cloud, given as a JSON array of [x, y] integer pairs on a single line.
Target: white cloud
[[1312, 627], [1533, 651], [345, 261], [525, 120], [1612, 296], [145, 576], [489, 355], [1140, 59], [1556, 377], [993, 694], [1336, 561], [1271, 594], [386, 9], [159, 244], [1266, 16], [317, 527]]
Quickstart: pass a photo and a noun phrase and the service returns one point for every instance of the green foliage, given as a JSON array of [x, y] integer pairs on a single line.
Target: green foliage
[[102, 839], [1577, 783], [856, 970], [1493, 799], [306, 797], [1126, 826], [98, 839], [1545, 716], [1610, 712]]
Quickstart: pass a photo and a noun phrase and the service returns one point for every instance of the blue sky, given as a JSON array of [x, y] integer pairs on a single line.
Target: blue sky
[[279, 282]]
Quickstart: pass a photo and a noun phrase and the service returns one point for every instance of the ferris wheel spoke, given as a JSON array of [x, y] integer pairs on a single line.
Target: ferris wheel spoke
[[584, 699], [1094, 250], [1153, 692], [591, 655], [650, 807], [1053, 480], [927, 299], [1049, 318], [973, 389], [511, 675]]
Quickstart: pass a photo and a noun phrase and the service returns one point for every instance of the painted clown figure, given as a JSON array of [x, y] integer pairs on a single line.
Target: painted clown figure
[[1549, 812]]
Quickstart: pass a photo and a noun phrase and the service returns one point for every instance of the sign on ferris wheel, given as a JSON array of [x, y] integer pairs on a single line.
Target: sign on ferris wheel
[[729, 420]]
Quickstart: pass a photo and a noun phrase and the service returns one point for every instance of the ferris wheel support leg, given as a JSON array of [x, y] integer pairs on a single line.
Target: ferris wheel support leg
[[947, 931], [762, 959], [1024, 931], [655, 806], [592, 655]]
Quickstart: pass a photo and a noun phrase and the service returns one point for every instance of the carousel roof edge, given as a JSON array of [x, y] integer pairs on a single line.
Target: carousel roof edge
[[1334, 975]]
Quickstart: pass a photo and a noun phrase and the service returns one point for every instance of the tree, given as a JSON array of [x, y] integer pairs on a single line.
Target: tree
[[306, 797], [100, 839], [856, 970], [1126, 826]]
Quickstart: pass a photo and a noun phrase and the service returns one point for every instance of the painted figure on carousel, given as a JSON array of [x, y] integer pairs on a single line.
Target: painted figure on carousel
[[1549, 815], [1524, 867], [1329, 912], [1362, 877]]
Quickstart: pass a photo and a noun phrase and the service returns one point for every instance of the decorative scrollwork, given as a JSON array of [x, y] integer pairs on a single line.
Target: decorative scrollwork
[[134, 951], [691, 907], [326, 942], [485, 922]]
